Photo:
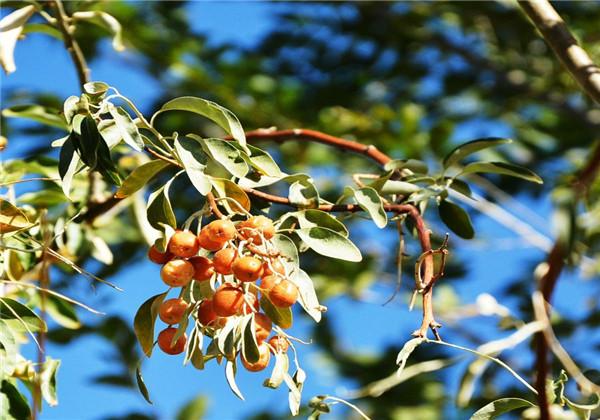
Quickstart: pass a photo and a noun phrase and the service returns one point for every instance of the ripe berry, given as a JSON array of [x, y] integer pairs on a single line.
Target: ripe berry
[[263, 326], [177, 273], [277, 267], [203, 268], [164, 341], [247, 269], [221, 230], [268, 282], [228, 300], [223, 260], [252, 229], [207, 243], [158, 257], [206, 313], [171, 311], [184, 244], [278, 344], [284, 294], [263, 360]]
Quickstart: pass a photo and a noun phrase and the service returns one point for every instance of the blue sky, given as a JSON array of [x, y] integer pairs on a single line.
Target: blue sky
[[170, 384]]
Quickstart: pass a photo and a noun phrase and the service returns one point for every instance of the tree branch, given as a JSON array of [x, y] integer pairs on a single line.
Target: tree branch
[[556, 33], [83, 72]]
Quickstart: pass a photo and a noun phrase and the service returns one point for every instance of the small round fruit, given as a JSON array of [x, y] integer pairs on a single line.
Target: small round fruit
[[263, 360], [263, 326], [158, 257], [223, 260], [252, 229], [284, 294], [278, 344], [207, 243], [203, 268], [165, 337], [247, 269], [206, 313], [221, 230], [171, 311], [268, 282], [177, 273], [277, 267], [184, 244], [228, 300]]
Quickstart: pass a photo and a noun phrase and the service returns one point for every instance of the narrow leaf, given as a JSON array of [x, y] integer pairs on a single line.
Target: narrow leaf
[[279, 316], [19, 317], [471, 147], [502, 168], [48, 380], [127, 128], [141, 384], [329, 243], [140, 177], [193, 158], [456, 218], [308, 297], [11, 27], [214, 112], [406, 351], [39, 113], [249, 345], [498, 407], [159, 209], [230, 375], [11, 217], [143, 323]]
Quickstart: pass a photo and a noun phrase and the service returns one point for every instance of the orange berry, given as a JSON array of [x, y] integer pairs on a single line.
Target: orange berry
[[252, 229], [263, 360], [203, 268], [177, 273], [263, 326], [171, 311], [284, 294], [247, 269], [278, 343], [206, 313], [277, 267], [158, 257], [268, 282], [184, 244], [228, 300], [223, 260], [207, 243], [164, 341], [221, 230]]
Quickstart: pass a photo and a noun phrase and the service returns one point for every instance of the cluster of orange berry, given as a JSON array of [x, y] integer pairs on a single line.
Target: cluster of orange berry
[[233, 259]]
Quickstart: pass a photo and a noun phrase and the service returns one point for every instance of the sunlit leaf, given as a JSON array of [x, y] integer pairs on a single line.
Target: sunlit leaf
[[329, 243], [127, 128], [227, 188], [279, 316], [249, 345], [13, 404], [193, 158], [39, 113], [282, 364], [48, 380], [307, 295], [230, 370], [368, 199], [19, 317], [406, 351], [11, 27], [502, 168], [11, 217], [106, 21], [140, 177], [159, 209], [498, 407]]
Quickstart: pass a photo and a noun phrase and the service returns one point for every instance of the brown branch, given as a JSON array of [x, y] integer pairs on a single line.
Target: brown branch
[[556, 33], [83, 71], [213, 206]]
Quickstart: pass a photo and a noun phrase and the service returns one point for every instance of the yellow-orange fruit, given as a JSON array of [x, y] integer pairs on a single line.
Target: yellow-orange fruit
[[277, 267], [254, 227], [268, 282], [164, 341], [171, 311], [206, 313], [284, 294], [184, 244], [221, 230], [263, 326], [177, 273], [158, 257], [203, 268], [224, 259], [228, 300], [263, 360], [278, 344], [207, 243], [247, 269]]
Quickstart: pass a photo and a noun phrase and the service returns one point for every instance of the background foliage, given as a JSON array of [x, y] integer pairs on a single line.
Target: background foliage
[[414, 79]]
